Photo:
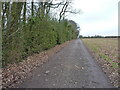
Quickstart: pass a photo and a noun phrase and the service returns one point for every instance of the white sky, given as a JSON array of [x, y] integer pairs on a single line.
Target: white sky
[[98, 17]]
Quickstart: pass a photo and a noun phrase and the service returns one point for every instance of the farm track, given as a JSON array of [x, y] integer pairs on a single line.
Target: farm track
[[72, 67]]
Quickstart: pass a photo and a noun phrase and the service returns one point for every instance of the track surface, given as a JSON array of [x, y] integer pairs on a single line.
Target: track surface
[[72, 67]]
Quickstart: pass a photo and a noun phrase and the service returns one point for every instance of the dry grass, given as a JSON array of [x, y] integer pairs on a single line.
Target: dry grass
[[105, 51], [105, 48]]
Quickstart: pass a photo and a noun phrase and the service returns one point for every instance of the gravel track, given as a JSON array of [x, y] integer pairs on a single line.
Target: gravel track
[[71, 67]]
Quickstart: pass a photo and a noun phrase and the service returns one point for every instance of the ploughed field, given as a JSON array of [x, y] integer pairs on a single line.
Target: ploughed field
[[105, 51]]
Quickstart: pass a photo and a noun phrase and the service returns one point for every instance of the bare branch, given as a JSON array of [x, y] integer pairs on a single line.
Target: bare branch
[[73, 12]]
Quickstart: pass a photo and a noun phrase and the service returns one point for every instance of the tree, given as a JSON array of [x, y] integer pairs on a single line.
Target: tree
[[24, 12], [30, 28]]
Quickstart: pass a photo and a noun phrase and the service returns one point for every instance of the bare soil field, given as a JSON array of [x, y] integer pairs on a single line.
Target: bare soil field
[[105, 51]]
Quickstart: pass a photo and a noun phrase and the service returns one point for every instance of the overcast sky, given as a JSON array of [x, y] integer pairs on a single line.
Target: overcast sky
[[98, 17]]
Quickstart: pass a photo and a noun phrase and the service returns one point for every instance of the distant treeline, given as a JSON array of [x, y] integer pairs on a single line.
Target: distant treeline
[[98, 36]]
